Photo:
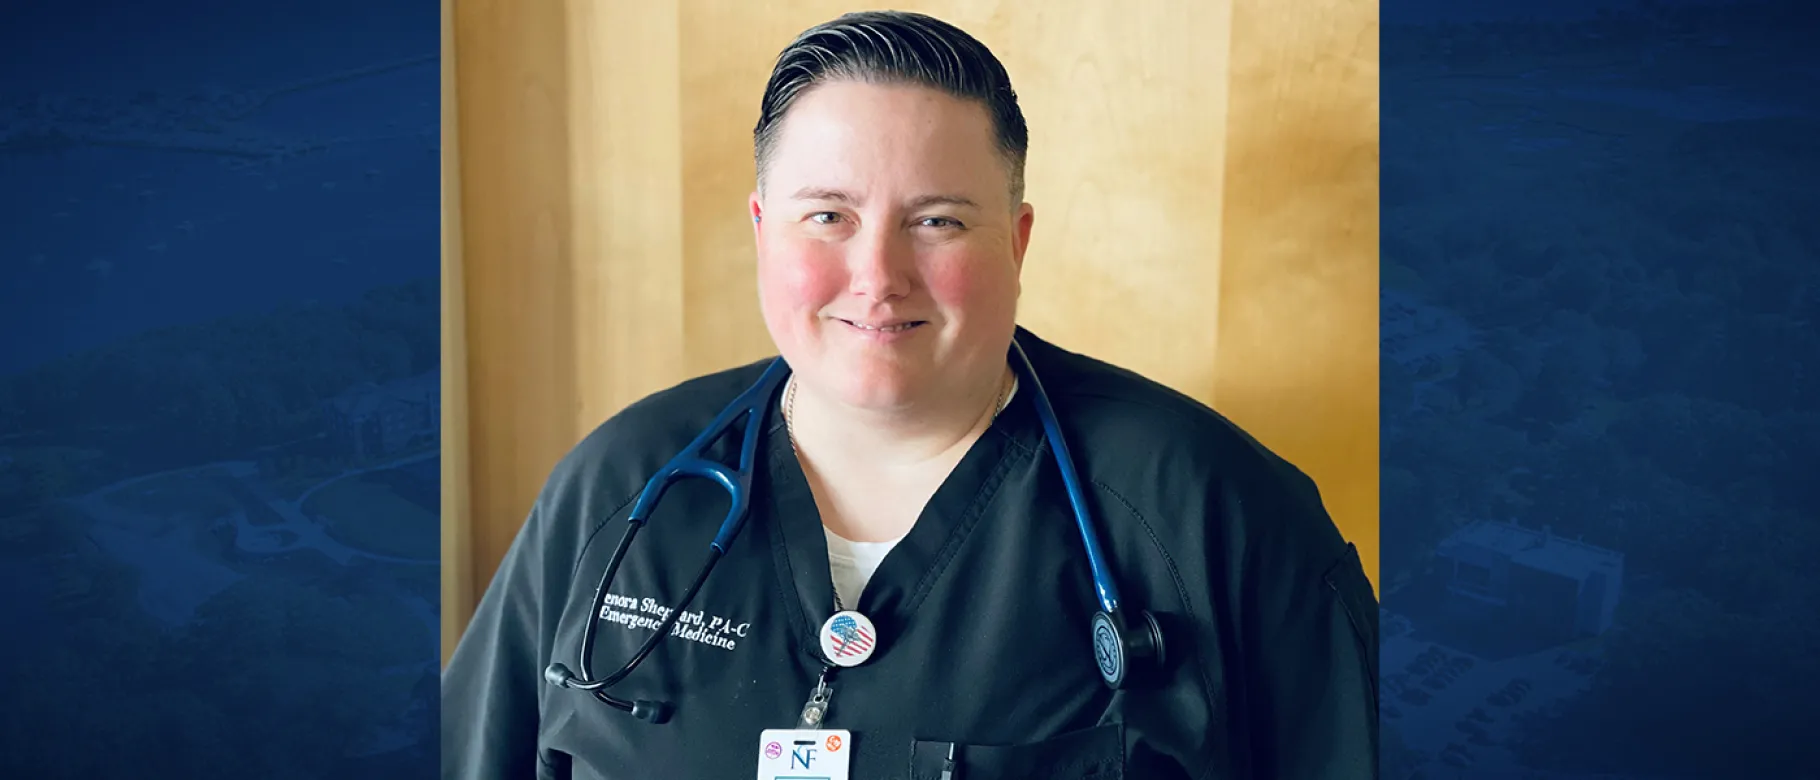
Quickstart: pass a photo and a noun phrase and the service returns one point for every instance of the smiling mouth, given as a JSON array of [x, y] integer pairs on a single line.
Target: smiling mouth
[[898, 328]]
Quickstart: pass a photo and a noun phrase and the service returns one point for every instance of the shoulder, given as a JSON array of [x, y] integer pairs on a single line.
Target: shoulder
[[1125, 420], [1195, 477], [610, 465]]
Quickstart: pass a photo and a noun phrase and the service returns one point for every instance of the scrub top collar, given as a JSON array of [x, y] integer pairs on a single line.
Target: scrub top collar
[[785, 506]]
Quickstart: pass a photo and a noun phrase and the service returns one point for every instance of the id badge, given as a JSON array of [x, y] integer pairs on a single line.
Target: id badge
[[803, 754]]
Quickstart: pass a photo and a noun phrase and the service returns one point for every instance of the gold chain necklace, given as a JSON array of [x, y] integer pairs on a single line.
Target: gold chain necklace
[[1004, 396]]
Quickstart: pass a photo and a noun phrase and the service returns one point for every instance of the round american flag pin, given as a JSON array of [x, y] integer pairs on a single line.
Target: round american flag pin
[[848, 639]]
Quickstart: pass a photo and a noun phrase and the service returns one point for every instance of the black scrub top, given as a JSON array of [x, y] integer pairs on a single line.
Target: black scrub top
[[982, 611]]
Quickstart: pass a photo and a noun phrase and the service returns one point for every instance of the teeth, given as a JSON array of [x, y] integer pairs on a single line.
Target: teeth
[[891, 329]]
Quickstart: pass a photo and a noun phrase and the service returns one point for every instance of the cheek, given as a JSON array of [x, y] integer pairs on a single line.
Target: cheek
[[794, 280], [969, 284]]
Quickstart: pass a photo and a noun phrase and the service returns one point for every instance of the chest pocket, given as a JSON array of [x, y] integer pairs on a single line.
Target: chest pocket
[[1097, 753]]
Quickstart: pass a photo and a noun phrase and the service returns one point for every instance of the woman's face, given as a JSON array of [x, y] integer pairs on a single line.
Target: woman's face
[[888, 250]]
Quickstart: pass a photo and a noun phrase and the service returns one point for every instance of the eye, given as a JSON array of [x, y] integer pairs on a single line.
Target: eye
[[823, 217], [939, 222]]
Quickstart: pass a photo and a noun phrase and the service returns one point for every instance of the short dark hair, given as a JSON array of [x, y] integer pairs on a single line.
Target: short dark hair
[[895, 47]]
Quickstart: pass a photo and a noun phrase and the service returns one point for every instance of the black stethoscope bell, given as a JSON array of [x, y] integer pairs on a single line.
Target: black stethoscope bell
[[1127, 655]]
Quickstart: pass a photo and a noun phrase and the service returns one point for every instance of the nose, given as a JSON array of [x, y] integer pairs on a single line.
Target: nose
[[880, 264]]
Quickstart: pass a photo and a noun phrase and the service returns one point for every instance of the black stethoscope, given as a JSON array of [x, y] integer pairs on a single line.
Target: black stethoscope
[[1123, 655]]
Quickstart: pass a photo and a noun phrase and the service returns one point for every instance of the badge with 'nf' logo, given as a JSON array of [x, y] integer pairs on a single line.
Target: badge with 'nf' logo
[[803, 754]]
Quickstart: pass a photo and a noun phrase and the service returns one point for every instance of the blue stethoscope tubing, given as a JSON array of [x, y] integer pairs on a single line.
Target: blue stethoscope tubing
[[1117, 648]]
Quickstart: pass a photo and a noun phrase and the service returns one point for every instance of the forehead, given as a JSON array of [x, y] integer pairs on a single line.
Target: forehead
[[852, 134]]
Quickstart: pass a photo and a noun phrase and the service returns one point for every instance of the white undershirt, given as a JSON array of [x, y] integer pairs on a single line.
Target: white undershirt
[[853, 563]]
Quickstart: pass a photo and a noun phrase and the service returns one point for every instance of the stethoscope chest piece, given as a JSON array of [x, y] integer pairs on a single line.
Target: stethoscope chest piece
[[848, 638], [1125, 654]]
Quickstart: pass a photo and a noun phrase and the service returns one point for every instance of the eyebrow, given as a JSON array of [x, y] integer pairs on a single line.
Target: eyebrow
[[842, 196]]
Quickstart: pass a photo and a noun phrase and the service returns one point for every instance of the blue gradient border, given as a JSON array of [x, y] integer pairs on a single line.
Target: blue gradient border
[[1599, 409], [219, 429]]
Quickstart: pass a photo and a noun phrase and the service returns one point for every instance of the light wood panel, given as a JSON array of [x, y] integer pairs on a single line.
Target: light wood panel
[[1298, 290], [1192, 221], [517, 264], [457, 527], [625, 157]]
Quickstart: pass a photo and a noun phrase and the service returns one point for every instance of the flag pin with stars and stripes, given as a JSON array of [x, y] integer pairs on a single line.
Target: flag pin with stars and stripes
[[848, 639]]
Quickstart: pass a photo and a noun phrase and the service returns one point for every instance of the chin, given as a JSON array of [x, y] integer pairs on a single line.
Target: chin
[[870, 386]]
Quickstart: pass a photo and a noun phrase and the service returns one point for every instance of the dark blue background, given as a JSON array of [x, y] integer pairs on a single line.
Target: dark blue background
[[1599, 294], [218, 397]]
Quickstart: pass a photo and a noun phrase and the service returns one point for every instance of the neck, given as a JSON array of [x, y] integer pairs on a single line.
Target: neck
[[833, 438], [872, 472]]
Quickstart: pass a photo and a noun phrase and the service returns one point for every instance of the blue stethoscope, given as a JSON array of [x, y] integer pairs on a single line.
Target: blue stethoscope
[[1123, 655]]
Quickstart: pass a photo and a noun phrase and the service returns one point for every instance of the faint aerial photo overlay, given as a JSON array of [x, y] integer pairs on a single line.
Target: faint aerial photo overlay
[[219, 461]]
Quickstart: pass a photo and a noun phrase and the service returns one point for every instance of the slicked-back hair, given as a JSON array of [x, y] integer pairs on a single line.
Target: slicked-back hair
[[895, 48]]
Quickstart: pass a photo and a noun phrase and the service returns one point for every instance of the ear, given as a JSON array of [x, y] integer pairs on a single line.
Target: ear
[[1026, 217], [756, 208]]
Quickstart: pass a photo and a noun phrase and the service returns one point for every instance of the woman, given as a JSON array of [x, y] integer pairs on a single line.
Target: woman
[[910, 593]]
